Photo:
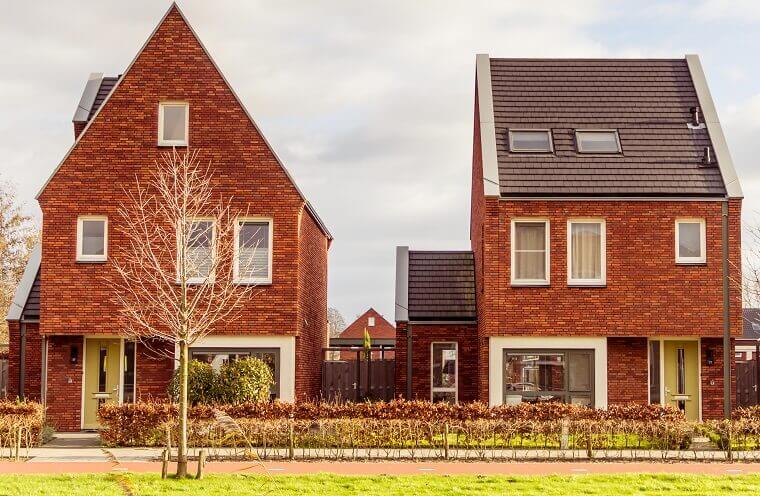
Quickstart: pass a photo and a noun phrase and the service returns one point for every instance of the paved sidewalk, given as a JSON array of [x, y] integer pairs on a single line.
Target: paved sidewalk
[[393, 468]]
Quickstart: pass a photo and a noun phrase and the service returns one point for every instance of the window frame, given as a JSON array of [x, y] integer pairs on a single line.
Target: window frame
[[702, 259], [455, 389], [211, 276], [81, 257], [165, 142], [511, 143], [235, 264], [547, 255], [602, 281], [234, 350], [598, 131], [565, 393]]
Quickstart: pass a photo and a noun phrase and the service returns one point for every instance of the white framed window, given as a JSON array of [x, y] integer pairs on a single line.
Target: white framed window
[[586, 252], [530, 140], [253, 251], [530, 252], [444, 372], [371, 322], [92, 238], [691, 242], [173, 123], [199, 250], [597, 141]]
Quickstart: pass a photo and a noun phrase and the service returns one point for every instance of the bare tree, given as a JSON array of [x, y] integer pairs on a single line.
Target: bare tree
[[180, 264], [751, 270], [18, 236], [335, 321]]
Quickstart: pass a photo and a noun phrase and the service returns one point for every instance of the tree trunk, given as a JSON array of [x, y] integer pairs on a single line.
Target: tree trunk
[[182, 443]]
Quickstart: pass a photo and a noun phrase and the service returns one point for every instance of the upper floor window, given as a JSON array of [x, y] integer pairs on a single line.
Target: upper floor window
[[530, 252], [530, 140], [586, 252], [597, 141], [92, 239], [690, 241], [173, 123], [199, 250], [253, 251]]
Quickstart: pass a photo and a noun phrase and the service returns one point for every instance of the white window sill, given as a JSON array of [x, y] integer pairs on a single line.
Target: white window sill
[[582, 284], [267, 282], [172, 144], [91, 260], [530, 284], [688, 262]]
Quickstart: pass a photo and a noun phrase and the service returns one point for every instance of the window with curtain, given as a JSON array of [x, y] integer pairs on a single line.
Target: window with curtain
[[690, 241], [586, 257], [530, 252], [199, 252], [253, 257]]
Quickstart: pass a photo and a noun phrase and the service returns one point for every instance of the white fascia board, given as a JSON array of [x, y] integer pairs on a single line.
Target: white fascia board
[[497, 344], [402, 284], [487, 125], [88, 97], [286, 345], [714, 129], [25, 285]]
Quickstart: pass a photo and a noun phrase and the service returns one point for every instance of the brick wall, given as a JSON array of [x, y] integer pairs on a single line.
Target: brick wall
[[33, 365], [712, 378], [64, 383], [312, 308], [423, 336], [627, 370], [155, 366]]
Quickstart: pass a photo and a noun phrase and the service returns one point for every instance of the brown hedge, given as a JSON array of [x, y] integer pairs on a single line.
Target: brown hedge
[[20, 419]]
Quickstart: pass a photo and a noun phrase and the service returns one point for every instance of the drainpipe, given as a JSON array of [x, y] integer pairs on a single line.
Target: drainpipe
[[409, 361], [21, 360], [726, 319]]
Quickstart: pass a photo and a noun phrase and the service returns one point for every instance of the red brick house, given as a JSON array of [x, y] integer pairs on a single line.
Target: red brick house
[[66, 348], [381, 332], [602, 192]]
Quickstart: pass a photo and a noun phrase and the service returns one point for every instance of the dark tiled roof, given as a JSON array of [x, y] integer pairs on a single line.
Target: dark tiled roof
[[648, 101], [381, 330], [32, 304], [751, 323], [441, 285], [106, 85]]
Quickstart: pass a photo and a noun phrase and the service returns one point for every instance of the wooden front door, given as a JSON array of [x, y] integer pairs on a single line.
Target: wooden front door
[[682, 376], [101, 377]]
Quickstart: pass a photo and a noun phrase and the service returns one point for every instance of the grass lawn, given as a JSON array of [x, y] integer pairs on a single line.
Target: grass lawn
[[333, 485]]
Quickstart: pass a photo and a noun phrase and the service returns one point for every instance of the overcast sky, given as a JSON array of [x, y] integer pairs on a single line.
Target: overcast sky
[[369, 104]]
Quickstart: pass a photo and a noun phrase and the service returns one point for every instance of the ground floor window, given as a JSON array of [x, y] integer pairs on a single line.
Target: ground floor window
[[545, 375], [217, 357], [654, 373], [128, 389], [443, 372]]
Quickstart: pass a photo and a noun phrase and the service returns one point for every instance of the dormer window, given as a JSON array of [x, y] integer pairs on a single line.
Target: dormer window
[[173, 123], [530, 140], [597, 141]]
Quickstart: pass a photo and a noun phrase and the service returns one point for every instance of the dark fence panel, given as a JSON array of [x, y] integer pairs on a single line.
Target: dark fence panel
[[357, 379], [3, 377], [747, 393]]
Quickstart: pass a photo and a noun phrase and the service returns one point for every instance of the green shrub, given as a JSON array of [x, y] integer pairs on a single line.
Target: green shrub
[[202, 384], [246, 380]]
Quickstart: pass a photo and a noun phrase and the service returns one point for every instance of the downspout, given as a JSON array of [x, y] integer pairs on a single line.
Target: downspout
[[21, 360], [409, 361], [726, 318]]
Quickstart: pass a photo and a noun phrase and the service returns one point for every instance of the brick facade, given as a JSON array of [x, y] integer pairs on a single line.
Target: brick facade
[[425, 334], [712, 378], [33, 380], [627, 370], [119, 148], [154, 368]]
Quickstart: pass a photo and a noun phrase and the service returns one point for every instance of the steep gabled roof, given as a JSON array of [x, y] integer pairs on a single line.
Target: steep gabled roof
[[26, 301], [381, 330], [99, 90], [649, 103]]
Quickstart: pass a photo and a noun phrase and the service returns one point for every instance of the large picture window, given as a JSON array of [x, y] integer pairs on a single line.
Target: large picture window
[[530, 252], [443, 372], [586, 252], [216, 357], [538, 376]]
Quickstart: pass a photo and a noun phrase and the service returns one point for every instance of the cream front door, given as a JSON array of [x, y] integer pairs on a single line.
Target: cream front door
[[681, 360], [101, 377]]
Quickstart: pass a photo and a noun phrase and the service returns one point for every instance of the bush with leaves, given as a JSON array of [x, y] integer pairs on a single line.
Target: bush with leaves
[[248, 380], [202, 384]]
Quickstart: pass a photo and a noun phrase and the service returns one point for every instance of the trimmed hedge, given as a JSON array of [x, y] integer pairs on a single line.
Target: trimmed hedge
[[399, 424], [21, 424]]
